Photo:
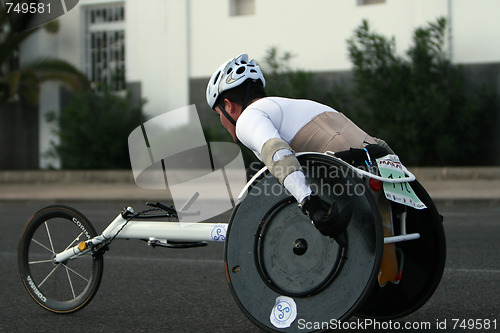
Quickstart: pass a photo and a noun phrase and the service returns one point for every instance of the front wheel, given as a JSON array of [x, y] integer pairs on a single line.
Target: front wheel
[[63, 287]]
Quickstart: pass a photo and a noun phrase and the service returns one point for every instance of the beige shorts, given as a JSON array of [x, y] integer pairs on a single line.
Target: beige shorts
[[330, 131]]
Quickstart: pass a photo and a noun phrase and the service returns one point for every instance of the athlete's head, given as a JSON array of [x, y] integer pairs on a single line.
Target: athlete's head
[[232, 74], [232, 87]]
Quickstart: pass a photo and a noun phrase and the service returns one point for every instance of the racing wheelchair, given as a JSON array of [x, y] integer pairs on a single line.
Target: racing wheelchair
[[280, 270]]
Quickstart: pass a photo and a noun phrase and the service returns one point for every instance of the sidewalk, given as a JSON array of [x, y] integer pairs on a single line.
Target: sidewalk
[[443, 184], [461, 183]]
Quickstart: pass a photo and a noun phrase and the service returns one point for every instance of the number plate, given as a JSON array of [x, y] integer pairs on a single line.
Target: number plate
[[390, 167]]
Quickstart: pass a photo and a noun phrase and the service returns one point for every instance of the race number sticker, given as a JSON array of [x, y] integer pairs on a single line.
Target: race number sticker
[[390, 167], [284, 312]]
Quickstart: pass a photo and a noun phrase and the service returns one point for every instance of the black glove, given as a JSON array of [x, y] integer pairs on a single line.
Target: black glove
[[328, 220], [358, 156]]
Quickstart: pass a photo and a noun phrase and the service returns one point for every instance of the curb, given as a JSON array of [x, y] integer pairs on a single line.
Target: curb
[[126, 176], [471, 202], [456, 173], [65, 176]]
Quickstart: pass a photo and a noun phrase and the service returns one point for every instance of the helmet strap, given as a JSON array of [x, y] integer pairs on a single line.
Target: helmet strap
[[223, 110]]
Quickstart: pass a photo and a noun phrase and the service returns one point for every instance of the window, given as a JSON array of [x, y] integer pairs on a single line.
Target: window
[[241, 7], [369, 2], [104, 59]]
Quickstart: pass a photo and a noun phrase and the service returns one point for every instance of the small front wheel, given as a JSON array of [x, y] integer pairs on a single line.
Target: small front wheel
[[58, 287]]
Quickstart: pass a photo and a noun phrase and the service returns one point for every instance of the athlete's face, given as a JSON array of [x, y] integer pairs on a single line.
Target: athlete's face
[[234, 111]]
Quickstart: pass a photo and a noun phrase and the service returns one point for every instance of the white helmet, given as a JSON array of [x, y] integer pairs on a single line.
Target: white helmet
[[230, 75]]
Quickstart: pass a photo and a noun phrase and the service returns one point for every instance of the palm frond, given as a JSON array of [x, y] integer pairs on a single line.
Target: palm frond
[[52, 69], [10, 41]]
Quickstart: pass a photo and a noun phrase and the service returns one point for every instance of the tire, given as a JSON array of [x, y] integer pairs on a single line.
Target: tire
[[65, 287], [282, 272]]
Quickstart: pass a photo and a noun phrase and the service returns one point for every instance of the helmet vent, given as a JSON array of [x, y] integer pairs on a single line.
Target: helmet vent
[[216, 78], [229, 71], [240, 70]]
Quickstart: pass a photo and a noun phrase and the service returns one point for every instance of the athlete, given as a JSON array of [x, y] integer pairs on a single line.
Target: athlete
[[275, 127]]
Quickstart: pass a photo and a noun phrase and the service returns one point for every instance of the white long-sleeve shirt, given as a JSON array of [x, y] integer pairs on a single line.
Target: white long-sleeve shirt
[[277, 117]]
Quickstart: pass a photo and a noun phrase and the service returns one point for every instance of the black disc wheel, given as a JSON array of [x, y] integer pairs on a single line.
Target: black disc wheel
[[63, 287], [283, 273]]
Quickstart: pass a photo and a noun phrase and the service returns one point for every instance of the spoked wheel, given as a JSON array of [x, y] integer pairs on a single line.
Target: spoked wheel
[[424, 262], [64, 287], [285, 275]]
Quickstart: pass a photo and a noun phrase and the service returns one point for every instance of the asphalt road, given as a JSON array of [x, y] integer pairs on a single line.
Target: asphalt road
[[172, 290]]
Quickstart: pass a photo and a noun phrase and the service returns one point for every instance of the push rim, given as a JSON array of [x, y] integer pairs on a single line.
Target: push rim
[[280, 250]]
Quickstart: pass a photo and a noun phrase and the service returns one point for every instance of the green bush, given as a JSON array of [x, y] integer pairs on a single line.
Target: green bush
[[282, 80], [93, 130], [420, 104]]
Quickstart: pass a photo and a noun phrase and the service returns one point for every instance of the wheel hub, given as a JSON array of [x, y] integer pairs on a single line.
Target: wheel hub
[[300, 246]]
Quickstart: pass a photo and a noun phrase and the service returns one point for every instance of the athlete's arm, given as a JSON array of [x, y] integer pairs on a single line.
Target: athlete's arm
[[257, 132]]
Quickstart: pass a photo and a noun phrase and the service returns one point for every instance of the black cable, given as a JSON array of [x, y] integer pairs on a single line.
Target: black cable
[[128, 220]]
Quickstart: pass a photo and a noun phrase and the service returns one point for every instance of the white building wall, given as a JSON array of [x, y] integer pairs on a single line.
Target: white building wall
[[156, 52], [161, 33], [316, 31], [170, 41], [156, 48], [475, 31]]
